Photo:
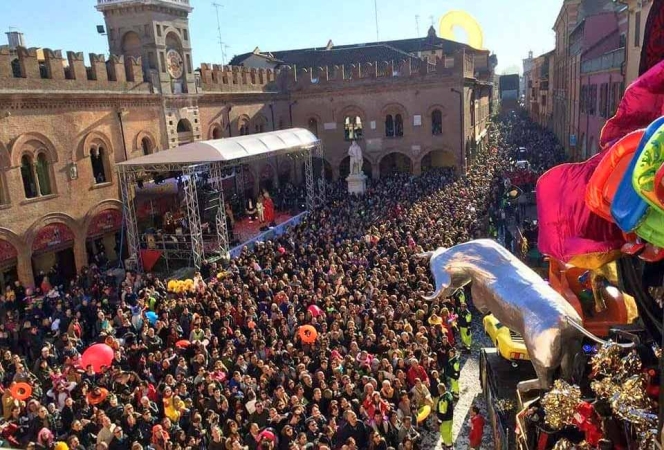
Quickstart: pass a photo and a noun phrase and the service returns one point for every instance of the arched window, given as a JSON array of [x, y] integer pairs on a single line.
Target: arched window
[[216, 133], [436, 122], [398, 125], [146, 145], [184, 126], [312, 124], [244, 129], [352, 128], [28, 176], [259, 127], [43, 174], [389, 126], [97, 159]]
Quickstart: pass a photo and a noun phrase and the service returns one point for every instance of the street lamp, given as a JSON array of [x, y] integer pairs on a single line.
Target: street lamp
[[462, 157]]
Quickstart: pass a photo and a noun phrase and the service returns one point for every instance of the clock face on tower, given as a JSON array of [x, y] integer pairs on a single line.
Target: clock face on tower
[[174, 64]]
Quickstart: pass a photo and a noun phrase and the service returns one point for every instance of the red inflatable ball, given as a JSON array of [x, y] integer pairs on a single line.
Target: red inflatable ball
[[97, 355]]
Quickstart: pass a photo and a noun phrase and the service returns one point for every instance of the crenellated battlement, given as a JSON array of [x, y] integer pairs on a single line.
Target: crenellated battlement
[[459, 64], [46, 69], [218, 78]]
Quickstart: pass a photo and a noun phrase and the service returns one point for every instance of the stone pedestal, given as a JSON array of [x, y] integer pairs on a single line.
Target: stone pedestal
[[357, 183]]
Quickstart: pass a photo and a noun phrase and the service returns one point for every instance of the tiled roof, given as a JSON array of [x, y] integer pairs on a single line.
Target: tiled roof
[[359, 53]]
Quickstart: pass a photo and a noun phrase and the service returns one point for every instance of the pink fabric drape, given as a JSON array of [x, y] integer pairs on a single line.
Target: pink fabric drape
[[642, 103], [567, 227]]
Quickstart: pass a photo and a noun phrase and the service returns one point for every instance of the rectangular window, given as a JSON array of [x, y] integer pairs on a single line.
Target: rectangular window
[[159, 30], [152, 61], [623, 41], [637, 29], [162, 60], [593, 99], [185, 34], [146, 30], [189, 63], [449, 62], [603, 99], [544, 100]]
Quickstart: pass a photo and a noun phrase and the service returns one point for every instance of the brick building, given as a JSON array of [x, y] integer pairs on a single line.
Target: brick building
[[65, 121], [539, 84]]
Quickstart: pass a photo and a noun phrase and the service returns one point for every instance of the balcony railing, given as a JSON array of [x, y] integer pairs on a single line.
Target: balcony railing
[[113, 2], [607, 61]]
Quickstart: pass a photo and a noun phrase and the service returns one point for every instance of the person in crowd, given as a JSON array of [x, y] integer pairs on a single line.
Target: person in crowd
[[476, 428], [224, 364]]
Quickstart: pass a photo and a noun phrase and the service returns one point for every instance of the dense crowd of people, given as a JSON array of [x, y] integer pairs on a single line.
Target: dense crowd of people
[[244, 377]]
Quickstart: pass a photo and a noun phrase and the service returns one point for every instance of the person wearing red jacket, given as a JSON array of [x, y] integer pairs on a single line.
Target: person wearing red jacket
[[416, 371], [476, 428]]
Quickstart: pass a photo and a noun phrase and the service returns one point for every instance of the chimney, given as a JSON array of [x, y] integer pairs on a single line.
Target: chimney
[[15, 39]]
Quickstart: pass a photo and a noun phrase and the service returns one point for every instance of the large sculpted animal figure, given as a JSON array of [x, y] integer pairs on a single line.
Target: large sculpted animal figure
[[518, 298]]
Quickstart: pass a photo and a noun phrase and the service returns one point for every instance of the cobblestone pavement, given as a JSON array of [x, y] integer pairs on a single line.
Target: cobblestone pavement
[[471, 394]]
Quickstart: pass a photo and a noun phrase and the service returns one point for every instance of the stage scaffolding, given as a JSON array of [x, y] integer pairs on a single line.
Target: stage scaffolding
[[222, 156]]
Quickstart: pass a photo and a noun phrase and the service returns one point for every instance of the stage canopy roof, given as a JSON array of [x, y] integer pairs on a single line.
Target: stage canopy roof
[[228, 150]]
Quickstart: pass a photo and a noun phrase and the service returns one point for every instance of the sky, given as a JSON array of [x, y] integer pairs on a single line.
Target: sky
[[511, 28]]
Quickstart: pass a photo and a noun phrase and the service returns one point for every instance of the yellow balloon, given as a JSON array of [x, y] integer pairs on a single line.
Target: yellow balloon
[[467, 22]]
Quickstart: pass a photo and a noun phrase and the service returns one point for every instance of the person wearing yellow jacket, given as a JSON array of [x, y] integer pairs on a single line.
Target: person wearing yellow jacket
[[445, 412], [464, 322]]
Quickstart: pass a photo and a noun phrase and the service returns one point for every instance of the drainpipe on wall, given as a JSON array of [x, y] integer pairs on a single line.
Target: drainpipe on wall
[[121, 113]]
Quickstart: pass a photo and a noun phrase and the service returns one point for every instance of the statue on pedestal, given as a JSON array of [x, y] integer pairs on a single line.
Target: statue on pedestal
[[356, 159]]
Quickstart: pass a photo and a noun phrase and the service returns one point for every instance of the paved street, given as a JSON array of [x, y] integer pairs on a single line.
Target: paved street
[[471, 394]]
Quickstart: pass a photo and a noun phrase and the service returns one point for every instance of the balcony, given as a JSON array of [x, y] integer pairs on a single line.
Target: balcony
[[108, 4], [607, 61]]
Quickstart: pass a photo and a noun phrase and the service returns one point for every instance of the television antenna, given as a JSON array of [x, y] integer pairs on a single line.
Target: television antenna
[[417, 24], [221, 43], [376, 16]]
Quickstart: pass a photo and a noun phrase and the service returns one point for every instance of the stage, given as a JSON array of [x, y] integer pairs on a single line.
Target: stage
[[244, 230]]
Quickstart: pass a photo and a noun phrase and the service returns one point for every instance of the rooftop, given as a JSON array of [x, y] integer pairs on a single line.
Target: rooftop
[[103, 5], [358, 53]]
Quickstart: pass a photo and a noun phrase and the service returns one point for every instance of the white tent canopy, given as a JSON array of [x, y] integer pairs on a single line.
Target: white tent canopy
[[230, 149]]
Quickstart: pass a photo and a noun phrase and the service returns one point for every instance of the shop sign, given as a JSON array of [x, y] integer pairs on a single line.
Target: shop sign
[[104, 222], [7, 251], [51, 236]]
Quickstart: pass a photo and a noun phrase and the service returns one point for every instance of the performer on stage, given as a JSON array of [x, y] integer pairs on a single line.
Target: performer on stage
[[250, 209], [260, 208], [268, 204]]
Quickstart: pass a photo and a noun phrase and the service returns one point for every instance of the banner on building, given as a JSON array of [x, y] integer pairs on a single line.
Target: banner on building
[[106, 221], [7, 251], [53, 237]]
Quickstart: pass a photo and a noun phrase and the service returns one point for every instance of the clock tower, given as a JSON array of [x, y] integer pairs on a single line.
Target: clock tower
[[158, 32]]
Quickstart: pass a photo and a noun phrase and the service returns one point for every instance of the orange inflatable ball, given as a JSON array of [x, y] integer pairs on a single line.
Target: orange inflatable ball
[[308, 334], [21, 391]]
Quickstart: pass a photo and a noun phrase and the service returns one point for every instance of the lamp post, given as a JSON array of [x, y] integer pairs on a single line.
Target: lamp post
[[462, 157]]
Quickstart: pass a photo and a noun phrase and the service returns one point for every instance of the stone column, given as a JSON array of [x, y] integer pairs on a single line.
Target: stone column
[[24, 268], [80, 254], [417, 167]]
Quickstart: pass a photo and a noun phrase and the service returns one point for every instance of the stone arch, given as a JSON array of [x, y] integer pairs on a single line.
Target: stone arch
[[443, 109], [353, 111], [8, 235], [99, 207], [436, 158], [51, 218], [172, 39], [258, 124], [91, 139], [243, 120], [131, 44], [138, 141], [390, 162], [394, 108], [313, 123], [32, 138], [216, 131]]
